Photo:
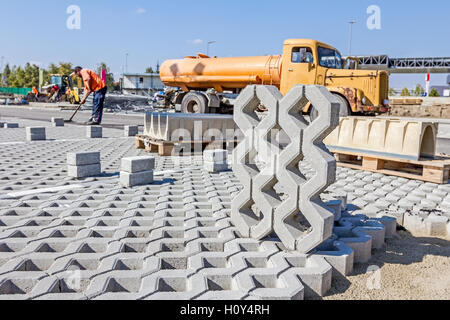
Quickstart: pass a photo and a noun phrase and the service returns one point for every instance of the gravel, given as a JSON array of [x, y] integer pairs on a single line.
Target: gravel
[[410, 268]]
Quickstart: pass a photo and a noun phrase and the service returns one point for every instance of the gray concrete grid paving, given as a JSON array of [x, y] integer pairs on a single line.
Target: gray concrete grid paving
[[93, 239]]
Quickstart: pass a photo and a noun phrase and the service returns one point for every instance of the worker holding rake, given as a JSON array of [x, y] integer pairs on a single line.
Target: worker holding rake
[[93, 83]]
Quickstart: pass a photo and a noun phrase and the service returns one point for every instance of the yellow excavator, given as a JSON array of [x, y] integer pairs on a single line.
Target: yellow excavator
[[69, 92]]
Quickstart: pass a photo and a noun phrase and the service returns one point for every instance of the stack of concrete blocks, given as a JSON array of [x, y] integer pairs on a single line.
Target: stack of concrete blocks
[[57, 122], [137, 171], [10, 125], [354, 237], [131, 131], [177, 127], [215, 160], [35, 133], [83, 165], [94, 132], [301, 221], [389, 137]]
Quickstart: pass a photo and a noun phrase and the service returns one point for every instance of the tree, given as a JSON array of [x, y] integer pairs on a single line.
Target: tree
[[64, 68], [434, 93], [405, 92], [419, 90], [19, 79], [52, 69], [5, 75], [392, 92], [109, 75], [149, 70], [11, 78]]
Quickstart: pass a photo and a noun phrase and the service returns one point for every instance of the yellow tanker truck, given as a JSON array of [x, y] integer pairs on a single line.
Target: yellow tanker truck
[[210, 85]]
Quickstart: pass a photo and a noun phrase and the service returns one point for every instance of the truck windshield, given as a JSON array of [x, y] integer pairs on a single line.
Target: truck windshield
[[329, 58]]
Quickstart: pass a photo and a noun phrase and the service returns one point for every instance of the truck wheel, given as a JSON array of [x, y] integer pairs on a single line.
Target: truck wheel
[[344, 110], [194, 103]]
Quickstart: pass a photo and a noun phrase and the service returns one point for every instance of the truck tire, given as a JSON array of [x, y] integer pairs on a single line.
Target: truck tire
[[344, 110], [194, 103]]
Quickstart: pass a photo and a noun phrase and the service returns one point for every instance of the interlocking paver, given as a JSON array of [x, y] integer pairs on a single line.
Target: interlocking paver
[[92, 239]]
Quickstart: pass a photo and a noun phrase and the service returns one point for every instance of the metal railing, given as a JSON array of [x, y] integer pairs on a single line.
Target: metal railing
[[405, 65]]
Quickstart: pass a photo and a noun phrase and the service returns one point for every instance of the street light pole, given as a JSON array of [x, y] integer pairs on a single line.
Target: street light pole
[[1, 71], [207, 47], [351, 22], [126, 62]]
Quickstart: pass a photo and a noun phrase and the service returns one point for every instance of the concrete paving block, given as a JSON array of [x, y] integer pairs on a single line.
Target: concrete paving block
[[83, 158], [336, 207], [358, 240], [359, 203], [10, 125], [374, 229], [137, 164], [432, 225], [94, 132], [339, 255], [57, 122], [189, 127], [390, 226], [84, 171], [136, 179], [35, 133], [266, 285], [344, 198], [217, 156], [214, 167], [131, 131], [406, 204], [314, 272], [181, 224], [391, 198]]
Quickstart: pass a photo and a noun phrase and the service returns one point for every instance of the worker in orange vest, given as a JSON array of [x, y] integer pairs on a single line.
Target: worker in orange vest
[[93, 83], [36, 94]]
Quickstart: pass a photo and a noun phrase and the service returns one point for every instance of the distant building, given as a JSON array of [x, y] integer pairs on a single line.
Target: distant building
[[141, 83], [441, 89]]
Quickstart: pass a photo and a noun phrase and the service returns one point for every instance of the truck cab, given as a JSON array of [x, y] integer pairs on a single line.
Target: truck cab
[[307, 61]]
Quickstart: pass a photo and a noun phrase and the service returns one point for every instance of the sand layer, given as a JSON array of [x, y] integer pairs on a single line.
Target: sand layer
[[408, 268]]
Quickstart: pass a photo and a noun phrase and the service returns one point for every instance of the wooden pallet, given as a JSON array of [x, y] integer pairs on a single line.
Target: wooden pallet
[[169, 148], [430, 170]]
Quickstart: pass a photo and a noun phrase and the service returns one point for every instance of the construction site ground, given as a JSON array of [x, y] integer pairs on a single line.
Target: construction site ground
[[33, 180]]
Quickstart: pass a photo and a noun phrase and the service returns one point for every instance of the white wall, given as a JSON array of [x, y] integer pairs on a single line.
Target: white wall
[[149, 82]]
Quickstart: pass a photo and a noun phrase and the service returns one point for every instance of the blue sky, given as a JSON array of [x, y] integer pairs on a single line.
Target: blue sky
[[150, 30]]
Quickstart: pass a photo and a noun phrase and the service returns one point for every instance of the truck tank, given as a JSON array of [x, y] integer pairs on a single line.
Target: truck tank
[[203, 72]]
